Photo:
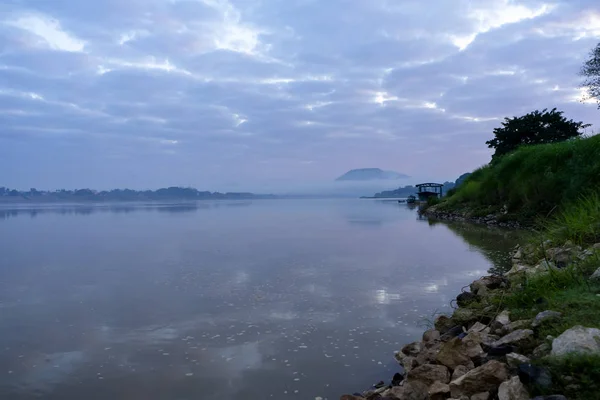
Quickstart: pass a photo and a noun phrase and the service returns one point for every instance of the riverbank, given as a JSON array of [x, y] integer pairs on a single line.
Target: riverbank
[[531, 333]]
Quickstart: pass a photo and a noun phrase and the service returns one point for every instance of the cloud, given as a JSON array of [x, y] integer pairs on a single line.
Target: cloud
[[166, 90]]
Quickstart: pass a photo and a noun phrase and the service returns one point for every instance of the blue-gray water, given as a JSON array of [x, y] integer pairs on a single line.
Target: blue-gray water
[[280, 299]]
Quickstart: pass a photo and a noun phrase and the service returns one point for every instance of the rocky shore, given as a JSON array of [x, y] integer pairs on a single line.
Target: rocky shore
[[466, 216], [481, 352]]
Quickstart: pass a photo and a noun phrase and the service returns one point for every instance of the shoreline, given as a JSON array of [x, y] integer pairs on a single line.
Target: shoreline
[[488, 349]]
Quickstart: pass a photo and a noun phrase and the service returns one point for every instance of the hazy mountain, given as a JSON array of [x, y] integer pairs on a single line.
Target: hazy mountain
[[370, 174]]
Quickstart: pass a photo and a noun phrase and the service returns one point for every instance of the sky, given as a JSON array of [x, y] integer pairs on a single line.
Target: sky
[[275, 94]]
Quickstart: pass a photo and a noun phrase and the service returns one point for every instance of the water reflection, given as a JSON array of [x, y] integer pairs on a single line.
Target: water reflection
[[8, 211]]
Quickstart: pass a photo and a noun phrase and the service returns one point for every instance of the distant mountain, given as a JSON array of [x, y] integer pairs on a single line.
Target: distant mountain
[[370, 174]]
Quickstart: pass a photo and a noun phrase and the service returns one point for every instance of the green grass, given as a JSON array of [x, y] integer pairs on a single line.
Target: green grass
[[577, 377], [534, 181], [578, 222]]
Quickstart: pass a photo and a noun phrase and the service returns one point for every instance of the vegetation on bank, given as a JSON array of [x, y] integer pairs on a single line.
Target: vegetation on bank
[[535, 182]]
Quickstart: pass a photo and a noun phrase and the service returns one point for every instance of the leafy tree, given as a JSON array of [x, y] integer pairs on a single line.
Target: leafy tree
[[534, 128], [591, 72]]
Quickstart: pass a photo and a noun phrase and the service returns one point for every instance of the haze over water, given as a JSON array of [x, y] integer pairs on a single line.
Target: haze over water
[[278, 299]]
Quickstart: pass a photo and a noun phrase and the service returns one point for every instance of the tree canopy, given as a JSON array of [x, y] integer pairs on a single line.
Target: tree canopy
[[536, 127], [591, 72]]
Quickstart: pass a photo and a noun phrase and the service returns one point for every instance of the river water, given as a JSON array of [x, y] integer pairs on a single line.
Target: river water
[[282, 299]]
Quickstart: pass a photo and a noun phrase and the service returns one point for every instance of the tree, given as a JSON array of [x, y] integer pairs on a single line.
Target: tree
[[534, 128], [591, 72]]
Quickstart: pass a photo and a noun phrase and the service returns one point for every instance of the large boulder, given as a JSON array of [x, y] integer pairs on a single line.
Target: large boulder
[[596, 275], [481, 379], [481, 396], [458, 372], [545, 316], [577, 340], [482, 286], [515, 337], [466, 298], [429, 353], [454, 353], [429, 373], [535, 376], [443, 323], [472, 343], [512, 389], [409, 363]]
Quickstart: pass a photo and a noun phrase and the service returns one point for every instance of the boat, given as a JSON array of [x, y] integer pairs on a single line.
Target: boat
[[411, 199]]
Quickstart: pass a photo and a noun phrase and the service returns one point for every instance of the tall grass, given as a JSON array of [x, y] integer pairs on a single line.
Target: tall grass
[[535, 180], [579, 222]]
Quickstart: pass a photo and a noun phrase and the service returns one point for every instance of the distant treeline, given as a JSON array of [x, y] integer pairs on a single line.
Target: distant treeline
[[78, 195]]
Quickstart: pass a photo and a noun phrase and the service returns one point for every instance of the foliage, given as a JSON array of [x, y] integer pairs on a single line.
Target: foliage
[[578, 222], [591, 72], [583, 372], [534, 181], [536, 127]]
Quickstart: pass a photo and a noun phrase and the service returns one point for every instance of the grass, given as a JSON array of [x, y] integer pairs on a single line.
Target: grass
[[534, 181], [576, 376], [578, 222]]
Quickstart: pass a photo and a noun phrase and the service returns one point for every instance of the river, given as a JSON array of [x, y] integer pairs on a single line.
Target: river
[[282, 299]]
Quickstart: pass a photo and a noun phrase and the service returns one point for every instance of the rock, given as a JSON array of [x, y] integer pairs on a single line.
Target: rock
[[431, 335], [502, 350], [545, 316], [503, 318], [439, 391], [552, 397], [429, 353], [481, 286], [518, 336], [517, 269], [443, 323], [399, 356], [596, 246], [512, 389], [596, 275], [480, 379], [534, 375], [477, 327], [463, 315], [453, 353], [411, 390], [398, 378], [409, 363], [472, 343], [542, 268], [429, 373], [458, 372], [412, 349], [514, 360], [577, 340], [520, 324], [563, 255], [481, 396], [541, 351], [351, 397], [466, 298], [452, 333]]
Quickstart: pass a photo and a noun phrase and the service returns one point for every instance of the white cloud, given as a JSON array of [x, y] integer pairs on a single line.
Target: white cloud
[[50, 31]]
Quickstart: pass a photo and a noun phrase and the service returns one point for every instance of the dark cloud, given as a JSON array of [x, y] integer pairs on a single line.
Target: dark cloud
[[260, 91]]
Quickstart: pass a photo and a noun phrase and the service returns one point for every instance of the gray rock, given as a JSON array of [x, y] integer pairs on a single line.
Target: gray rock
[[481, 396], [545, 316], [551, 397], [514, 359], [429, 353], [512, 389], [399, 356], [443, 323], [412, 349], [481, 379], [520, 324], [472, 343], [533, 375], [596, 275], [477, 327], [503, 318], [439, 391], [515, 337], [577, 340], [458, 372], [541, 351], [429, 374], [351, 397], [431, 335]]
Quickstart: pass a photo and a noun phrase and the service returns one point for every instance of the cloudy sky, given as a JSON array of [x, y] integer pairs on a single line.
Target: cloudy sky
[[235, 94]]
